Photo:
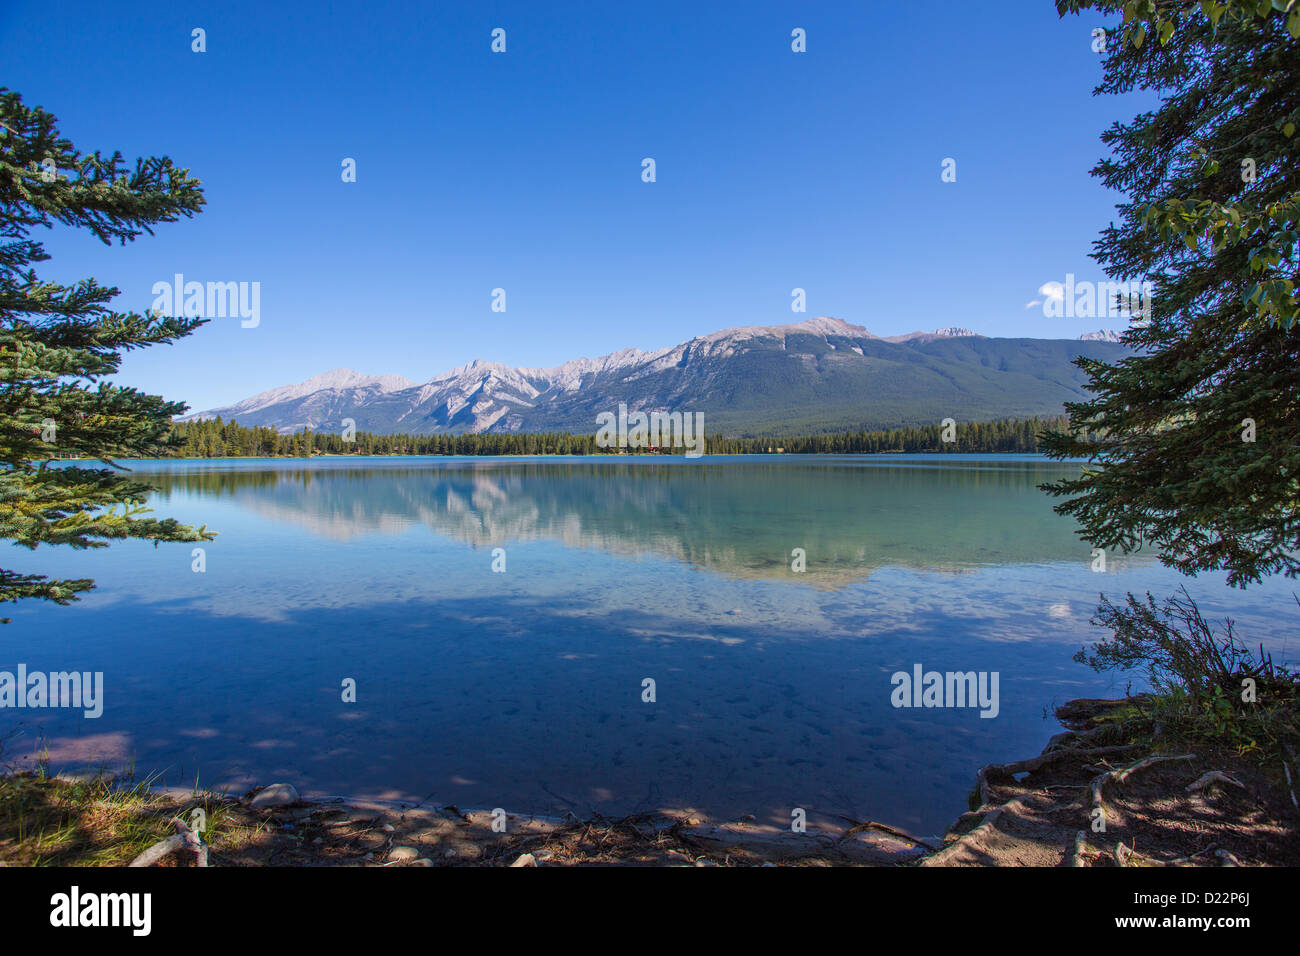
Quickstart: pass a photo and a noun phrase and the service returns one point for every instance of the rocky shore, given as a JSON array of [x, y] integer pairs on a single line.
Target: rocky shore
[[1093, 797]]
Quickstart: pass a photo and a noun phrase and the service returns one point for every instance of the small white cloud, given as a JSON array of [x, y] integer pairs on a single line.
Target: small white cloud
[[1048, 292]]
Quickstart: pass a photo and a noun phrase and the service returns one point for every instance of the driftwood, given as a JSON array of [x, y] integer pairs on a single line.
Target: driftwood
[[882, 827], [185, 839], [1080, 847]]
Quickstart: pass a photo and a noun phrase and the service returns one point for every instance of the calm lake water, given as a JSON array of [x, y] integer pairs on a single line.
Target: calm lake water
[[523, 689]]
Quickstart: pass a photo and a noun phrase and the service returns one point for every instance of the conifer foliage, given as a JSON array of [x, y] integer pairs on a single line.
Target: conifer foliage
[[59, 344], [1194, 441], [215, 438]]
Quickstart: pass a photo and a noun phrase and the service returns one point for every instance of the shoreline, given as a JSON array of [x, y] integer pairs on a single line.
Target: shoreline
[[1027, 455], [1093, 797]]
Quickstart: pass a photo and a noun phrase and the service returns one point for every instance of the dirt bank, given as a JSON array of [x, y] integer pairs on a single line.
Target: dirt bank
[[1098, 797]]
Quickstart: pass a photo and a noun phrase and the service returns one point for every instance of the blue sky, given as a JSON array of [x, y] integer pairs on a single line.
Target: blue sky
[[522, 171]]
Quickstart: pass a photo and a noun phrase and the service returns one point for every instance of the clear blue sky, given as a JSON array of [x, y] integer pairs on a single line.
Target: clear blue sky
[[523, 171]]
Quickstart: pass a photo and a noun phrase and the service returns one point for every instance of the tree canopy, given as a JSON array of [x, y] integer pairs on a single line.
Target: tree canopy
[[1193, 442], [59, 345]]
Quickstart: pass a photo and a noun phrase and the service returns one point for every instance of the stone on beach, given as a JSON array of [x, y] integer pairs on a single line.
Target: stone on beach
[[276, 795]]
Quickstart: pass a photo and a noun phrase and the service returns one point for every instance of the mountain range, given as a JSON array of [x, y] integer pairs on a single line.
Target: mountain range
[[818, 375]]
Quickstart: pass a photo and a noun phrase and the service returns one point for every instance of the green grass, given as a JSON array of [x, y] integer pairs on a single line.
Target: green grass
[[45, 821]]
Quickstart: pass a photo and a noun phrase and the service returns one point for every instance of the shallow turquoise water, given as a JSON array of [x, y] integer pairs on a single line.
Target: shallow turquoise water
[[523, 689]]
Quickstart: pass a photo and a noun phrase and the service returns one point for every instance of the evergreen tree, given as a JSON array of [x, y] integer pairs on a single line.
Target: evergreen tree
[[1194, 442], [58, 343]]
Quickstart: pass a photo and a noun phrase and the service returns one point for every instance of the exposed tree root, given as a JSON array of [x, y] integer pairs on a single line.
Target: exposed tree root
[[997, 771], [981, 831], [1055, 756], [1212, 777], [1089, 771], [1100, 781], [1182, 860], [1127, 856]]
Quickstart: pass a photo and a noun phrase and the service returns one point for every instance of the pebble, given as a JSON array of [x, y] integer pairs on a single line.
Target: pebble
[[526, 859], [276, 795], [403, 853]]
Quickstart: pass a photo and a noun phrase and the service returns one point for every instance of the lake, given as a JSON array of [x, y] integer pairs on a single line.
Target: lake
[[523, 688]]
